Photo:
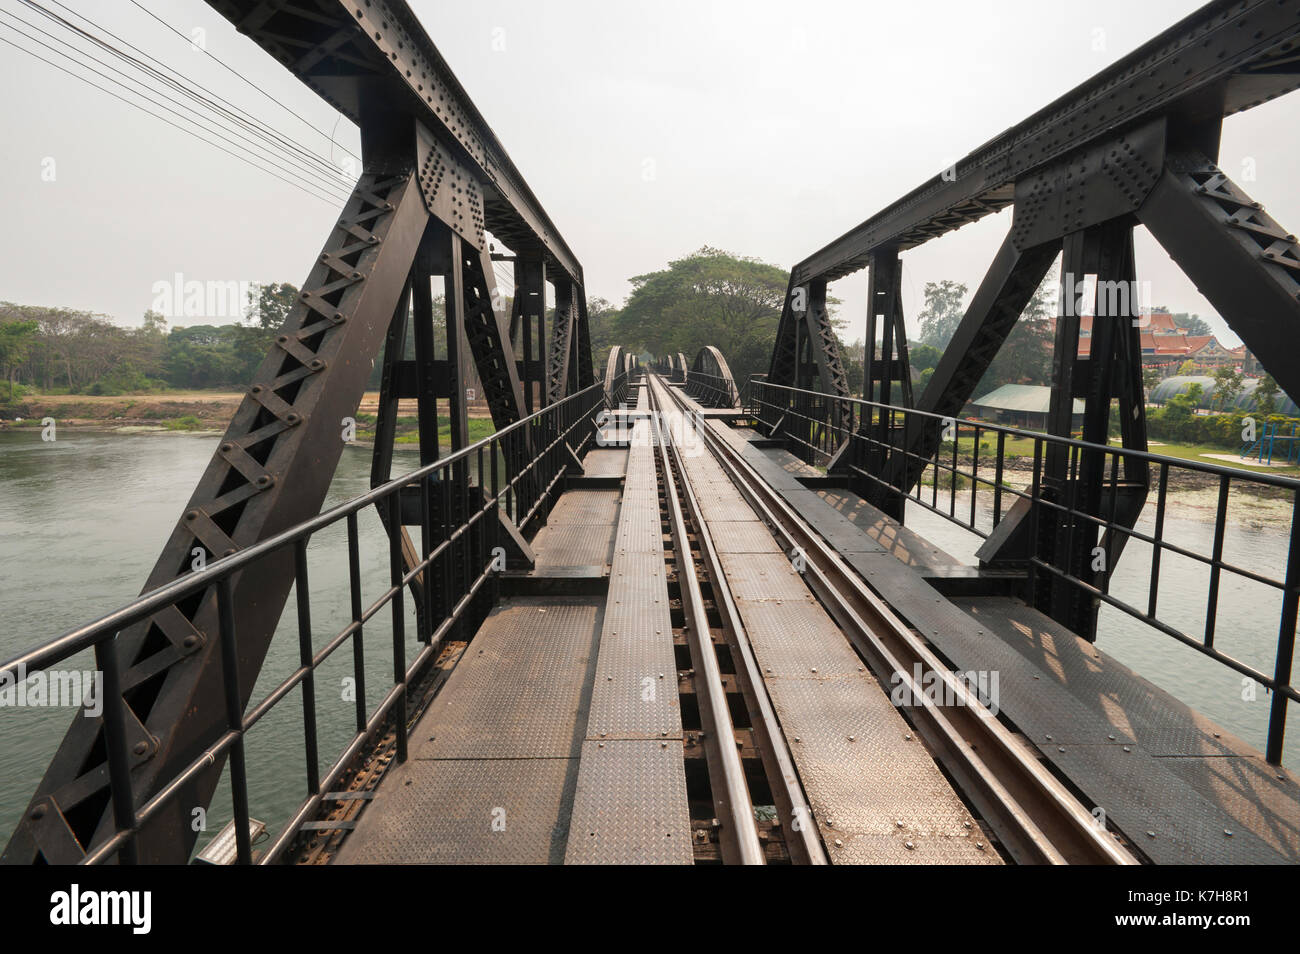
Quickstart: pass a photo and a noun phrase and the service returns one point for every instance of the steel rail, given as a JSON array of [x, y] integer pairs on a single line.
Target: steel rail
[[802, 839], [733, 801], [1034, 814]]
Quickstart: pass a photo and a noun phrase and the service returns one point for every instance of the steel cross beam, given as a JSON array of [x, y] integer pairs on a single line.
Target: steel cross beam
[[1226, 57]]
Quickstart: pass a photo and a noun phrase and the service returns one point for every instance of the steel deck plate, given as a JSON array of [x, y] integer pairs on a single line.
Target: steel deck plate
[[763, 576], [467, 811], [605, 462], [630, 806], [574, 545], [864, 776], [583, 507], [522, 688], [794, 638], [908, 546], [1165, 817], [742, 536]]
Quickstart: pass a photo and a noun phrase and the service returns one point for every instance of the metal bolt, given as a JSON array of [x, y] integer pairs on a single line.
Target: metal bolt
[[909, 846], [140, 748], [1127, 749], [979, 845], [38, 813]]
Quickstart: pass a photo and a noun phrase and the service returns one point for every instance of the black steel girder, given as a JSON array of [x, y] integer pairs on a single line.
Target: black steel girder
[[1226, 57]]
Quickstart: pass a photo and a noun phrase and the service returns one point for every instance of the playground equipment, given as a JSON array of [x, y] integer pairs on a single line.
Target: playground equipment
[[1272, 441]]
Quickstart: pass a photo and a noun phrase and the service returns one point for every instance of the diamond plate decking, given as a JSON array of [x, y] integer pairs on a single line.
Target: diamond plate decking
[[1183, 779]]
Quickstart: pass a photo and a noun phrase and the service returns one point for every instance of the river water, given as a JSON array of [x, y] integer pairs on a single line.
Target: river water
[[82, 521]]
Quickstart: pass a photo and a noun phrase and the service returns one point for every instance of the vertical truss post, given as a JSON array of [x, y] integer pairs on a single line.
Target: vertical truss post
[[884, 315], [530, 309], [557, 368], [1077, 478]]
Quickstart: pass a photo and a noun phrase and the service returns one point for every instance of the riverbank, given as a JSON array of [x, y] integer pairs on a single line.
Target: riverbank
[[190, 411]]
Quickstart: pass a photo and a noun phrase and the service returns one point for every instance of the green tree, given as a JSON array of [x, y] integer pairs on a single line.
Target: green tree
[[923, 357], [16, 340], [942, 312], [1266, 395], [1180, 409], [1192, 324], [602, 330], [1026, 356], [268, 309], [1228, 383], [710, 297]]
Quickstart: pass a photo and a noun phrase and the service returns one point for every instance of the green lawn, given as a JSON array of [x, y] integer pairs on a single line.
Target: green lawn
[[1024, 447]]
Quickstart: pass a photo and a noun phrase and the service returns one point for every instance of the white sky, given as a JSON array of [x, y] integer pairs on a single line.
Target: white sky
[[767, 129]]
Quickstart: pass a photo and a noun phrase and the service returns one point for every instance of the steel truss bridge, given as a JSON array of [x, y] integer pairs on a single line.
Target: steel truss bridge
[[661, 615]]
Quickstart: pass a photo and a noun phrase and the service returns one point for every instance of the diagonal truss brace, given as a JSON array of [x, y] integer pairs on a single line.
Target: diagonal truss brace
[[271, 470]]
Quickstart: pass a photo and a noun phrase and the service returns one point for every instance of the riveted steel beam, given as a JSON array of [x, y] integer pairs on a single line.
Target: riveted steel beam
[[1226, 57]]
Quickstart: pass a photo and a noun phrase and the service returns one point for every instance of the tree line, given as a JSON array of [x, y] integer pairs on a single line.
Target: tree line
[[709, 296], [61, 349]]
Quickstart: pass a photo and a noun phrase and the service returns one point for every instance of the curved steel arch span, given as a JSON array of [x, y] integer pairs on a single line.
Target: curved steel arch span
[[709, 380]]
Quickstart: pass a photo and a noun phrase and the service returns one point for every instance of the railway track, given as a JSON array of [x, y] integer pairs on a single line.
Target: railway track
[[1035, 817], [696, 556]]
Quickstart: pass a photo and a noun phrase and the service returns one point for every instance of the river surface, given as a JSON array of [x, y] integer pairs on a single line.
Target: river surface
[[82, 521]]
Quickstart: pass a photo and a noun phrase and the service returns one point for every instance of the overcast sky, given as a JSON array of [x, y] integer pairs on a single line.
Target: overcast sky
[[646, 130]]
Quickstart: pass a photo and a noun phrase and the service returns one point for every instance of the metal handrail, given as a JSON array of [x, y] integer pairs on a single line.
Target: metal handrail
[[560, 419], [820, 424]]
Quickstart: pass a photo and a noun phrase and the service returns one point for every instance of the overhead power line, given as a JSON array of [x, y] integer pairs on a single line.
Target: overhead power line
[[322, 175]]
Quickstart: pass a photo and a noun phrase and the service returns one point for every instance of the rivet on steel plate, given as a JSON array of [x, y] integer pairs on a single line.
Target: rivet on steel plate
[[979, 845], [1228, 832], [909, 846], [1151, 834], [1127, 749], [853, 738], [1060, 748], [838, 843]]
